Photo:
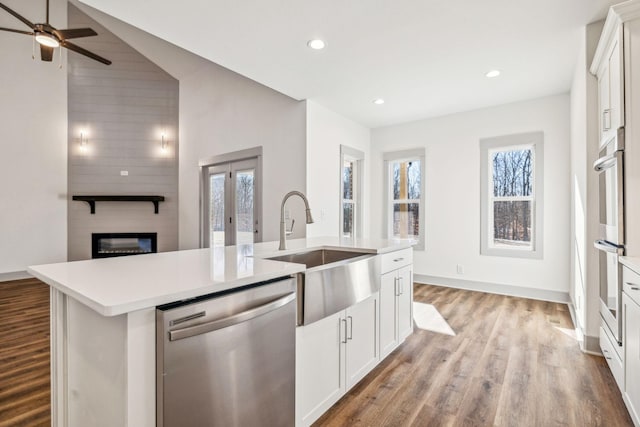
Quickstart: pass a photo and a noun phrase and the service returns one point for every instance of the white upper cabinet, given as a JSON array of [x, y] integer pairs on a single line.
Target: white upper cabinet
[[610, 74]]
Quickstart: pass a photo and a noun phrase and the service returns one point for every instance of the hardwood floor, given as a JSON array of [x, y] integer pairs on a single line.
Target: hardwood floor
[[511, 363], [24, 354]]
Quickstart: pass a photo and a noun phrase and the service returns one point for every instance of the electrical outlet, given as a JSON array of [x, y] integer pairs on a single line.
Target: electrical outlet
[[460, 269], [124, 173], [287, 214]]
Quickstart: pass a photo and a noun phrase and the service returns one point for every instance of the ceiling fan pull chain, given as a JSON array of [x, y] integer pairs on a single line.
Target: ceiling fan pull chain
[[60, 50], [33, 48]]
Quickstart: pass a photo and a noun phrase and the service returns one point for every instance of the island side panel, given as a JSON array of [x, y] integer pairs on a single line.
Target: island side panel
[[96, 367], [141, 368]]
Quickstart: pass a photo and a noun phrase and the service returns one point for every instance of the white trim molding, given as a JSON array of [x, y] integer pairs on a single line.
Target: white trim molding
[[617, 15], [14, 275], [494, 288]]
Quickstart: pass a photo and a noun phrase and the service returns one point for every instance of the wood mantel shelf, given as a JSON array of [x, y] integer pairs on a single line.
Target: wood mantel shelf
[[93, 199]]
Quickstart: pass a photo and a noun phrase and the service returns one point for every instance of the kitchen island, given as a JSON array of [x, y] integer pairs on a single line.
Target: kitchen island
[[103, 322]]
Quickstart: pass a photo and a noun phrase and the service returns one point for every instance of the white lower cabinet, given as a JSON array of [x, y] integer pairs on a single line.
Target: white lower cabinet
[[332, 355], [396, 308], [631, 313]]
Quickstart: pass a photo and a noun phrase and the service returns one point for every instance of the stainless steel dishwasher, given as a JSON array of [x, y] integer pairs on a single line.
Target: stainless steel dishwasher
[[228, 360]]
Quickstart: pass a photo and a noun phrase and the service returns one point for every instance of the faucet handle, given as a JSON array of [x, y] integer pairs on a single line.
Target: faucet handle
[[290, 231]]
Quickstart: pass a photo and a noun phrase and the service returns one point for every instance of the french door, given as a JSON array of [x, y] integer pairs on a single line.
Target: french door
[[231, 204]]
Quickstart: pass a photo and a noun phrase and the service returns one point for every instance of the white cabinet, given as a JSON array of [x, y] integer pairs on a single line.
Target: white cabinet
[[396, 300], [361, 327], [631, 313], [396, 308], [610, 76], [332, 355]]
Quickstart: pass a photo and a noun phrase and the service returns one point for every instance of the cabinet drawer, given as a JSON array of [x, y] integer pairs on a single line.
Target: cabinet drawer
[[394, 260], [611, 356], [631, 284]]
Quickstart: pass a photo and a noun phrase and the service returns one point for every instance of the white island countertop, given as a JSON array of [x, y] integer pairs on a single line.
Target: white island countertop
[[113, 286]]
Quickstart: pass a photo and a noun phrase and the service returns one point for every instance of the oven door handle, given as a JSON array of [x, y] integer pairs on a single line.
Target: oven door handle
[[607, 162], [603, 245]]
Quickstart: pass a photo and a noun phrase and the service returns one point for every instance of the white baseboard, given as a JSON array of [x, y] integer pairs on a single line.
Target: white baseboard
[[592, 345], [495, 288], [14, 275]]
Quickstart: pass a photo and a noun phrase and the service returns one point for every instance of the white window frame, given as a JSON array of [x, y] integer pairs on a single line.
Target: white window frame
[[489, 146], [398, 156], [357, 157]]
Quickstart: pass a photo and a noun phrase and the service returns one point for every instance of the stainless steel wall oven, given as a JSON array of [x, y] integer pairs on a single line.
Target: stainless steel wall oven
[[610, 166]]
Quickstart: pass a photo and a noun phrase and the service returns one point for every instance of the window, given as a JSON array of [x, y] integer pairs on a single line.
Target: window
[[231, 199], [351, 172], [511, 195], [405, 195]]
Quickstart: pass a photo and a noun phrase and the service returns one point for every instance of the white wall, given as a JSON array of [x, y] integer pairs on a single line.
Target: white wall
[[453, 193], [33, 135], [584, 189], [326, 131], [221, 112]]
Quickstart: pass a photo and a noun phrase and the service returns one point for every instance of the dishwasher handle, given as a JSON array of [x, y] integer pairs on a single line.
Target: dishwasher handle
[[214, 325]]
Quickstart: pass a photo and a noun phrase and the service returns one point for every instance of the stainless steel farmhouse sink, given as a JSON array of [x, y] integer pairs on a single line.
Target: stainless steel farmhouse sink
[[333, 281]]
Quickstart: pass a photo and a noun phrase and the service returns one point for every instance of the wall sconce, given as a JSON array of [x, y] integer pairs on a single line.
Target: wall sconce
[[164, 143], [83, 140]]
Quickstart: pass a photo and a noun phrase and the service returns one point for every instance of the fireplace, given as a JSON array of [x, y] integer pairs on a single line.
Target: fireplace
[[105, 245]]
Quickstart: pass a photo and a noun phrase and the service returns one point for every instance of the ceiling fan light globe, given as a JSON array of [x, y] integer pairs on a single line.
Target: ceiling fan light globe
[[47, 39]]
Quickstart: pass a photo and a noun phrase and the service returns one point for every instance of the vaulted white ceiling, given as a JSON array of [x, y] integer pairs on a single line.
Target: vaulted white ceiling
[[424, 57]]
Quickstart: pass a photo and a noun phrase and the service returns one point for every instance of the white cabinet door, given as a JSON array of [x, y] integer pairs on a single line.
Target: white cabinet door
[[362, 346], [611, 89], [631, 321], [388, 317], [604, 104], [320, 364], [405, 302], [616, 85]]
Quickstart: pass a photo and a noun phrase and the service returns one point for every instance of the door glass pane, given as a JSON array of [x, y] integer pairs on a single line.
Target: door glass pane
[[347, 219], [512, 223], [244, 206], [347, 180], [216, 210], [406, 220]]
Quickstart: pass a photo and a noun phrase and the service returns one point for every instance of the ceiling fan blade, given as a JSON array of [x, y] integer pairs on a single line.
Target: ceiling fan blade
[[74, 33], [46, 53], [84, 52], [16, 31], [18, 16]]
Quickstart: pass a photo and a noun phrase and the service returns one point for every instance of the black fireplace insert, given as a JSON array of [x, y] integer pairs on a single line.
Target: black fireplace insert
[[105, 245]]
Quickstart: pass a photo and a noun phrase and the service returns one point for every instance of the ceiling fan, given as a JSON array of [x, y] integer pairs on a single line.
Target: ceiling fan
[[49, 37]]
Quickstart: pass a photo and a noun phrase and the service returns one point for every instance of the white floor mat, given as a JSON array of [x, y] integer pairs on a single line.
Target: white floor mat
[[428, 318]]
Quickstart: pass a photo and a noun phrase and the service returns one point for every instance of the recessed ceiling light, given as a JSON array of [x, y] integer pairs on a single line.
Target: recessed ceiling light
[[378, 101], [493, 73], [316, 44]]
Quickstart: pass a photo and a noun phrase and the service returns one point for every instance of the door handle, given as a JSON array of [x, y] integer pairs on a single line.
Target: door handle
[[607, 247], [345, 331], [350, 336], [234, 319], [606, 114]]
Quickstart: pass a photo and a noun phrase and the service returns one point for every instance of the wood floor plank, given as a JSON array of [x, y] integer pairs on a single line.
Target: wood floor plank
[[24, 354]]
